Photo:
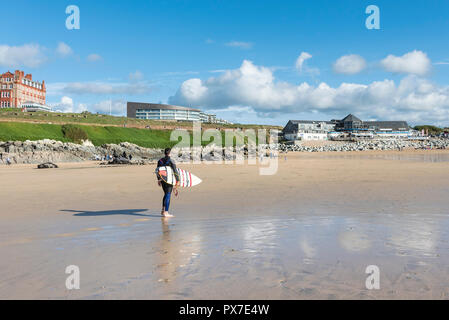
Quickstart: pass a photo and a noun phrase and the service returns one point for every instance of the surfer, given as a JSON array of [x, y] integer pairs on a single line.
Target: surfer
[[167, 162]]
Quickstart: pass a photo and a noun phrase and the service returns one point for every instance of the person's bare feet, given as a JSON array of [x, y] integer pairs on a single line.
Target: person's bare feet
[[165, 214]]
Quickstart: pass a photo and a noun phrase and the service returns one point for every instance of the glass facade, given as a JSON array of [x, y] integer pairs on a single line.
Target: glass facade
[[32, 107], [169, 114]]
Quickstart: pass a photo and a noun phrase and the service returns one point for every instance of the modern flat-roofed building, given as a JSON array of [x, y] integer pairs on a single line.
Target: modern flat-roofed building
[[156, 111], [307, 130], [153, 111], [35, 107], [17, 88], [349, 126]]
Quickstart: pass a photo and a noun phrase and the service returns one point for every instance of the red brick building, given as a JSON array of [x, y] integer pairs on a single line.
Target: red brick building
[[17, 88]]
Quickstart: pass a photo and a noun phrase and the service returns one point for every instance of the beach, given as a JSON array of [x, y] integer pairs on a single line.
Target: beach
[[307, 232]]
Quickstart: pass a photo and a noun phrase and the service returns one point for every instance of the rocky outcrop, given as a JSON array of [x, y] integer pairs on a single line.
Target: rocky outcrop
[[57, 152], [31, 152]]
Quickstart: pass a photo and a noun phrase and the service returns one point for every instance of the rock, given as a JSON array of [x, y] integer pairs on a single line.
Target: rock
[[87, 143], [120, 160], [47, 165]]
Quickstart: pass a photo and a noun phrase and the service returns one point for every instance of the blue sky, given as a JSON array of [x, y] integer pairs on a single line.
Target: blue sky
[[238, 59]]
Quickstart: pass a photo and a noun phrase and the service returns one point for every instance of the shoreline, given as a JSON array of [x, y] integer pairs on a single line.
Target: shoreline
[[36, 152], [281, 157]]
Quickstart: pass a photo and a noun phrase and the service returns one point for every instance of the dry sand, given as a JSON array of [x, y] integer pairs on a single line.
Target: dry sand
[[307, 232]]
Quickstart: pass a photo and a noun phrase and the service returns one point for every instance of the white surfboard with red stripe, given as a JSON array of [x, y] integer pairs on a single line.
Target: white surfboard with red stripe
[[186, 179]]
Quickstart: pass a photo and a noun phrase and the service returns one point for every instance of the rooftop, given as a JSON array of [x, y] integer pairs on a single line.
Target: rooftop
[[351, 117], [158, 106]]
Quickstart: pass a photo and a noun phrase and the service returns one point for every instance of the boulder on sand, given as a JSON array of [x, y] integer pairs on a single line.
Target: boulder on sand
[[120, 160], [47, 165]]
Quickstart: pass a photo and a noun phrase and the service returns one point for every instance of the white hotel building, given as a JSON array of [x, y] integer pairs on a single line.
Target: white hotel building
[[153, 111]]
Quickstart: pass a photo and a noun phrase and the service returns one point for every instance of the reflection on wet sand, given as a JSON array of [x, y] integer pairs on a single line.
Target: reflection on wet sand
[[305, 257], [419, 157], [168, 255], [353, 241], [177, 252], [417, 237], [307, 232]]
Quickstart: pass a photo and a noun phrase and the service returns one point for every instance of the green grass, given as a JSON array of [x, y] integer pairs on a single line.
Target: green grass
[[142, 137], [18, 131], [104, 120]]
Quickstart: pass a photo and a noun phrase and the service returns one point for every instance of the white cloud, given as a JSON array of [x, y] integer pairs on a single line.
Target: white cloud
[[67, 105], [179, 73], [66, 102], [193, 89], [413, 99], [64, 50], [136, 76], [240, 44], [415, 62], [27, 55], [116, 107], [97, 88], [349, 64], [242, 114], [94, 57], [218, 71], [300, 61]]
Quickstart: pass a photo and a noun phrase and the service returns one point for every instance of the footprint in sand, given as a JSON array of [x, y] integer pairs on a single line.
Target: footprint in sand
[[91, 229], [65, 235]]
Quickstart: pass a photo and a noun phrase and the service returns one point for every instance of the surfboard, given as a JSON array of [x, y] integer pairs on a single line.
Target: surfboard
[[186, 178]]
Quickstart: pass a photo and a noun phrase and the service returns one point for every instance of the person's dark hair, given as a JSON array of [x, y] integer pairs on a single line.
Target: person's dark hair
[[167, 151]]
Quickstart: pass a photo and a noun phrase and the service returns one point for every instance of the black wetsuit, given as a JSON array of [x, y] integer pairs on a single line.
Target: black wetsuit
[[168, 188]]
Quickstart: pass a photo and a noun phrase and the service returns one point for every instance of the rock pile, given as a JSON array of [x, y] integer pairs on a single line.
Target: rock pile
[[56, 151], [394, 144], [120, 160]]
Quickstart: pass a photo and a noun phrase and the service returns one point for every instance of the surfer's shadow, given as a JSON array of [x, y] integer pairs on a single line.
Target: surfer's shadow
[[128, 212]]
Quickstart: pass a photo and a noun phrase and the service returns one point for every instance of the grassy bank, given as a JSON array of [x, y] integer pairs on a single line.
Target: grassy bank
[[17, 131], [12, 131], [149, 138], [16, 115]]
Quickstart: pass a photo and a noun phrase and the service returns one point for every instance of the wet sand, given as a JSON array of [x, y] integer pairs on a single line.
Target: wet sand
[[307, 232]]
